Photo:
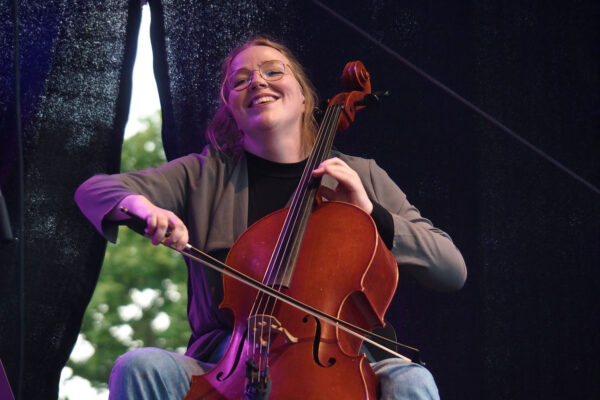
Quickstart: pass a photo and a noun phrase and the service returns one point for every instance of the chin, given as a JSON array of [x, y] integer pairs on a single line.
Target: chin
[[265, 121]]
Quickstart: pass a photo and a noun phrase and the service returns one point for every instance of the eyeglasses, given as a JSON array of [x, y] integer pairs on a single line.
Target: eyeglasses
[[269, 70]]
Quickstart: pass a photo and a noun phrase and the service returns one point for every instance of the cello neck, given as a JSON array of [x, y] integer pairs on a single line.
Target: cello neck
[[339, 114], [281, 266]]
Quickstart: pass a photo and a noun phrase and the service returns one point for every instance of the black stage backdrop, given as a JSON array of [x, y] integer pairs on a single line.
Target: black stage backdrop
[[525, 326]]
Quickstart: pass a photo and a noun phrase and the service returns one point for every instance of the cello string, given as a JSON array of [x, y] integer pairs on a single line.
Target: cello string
[[277, 263], [276, 259], [315, 313], [293, 217], [274, 267], [330, 121], [461, 99], [251, 341]]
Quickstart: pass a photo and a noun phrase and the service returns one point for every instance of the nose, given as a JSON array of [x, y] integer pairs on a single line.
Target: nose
[[257, 80]]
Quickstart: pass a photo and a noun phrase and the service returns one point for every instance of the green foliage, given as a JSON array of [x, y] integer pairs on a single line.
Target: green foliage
[[132, 266], [144, 149]]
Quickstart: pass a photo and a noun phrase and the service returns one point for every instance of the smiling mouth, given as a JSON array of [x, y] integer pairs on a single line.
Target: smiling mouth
[[263, 100]]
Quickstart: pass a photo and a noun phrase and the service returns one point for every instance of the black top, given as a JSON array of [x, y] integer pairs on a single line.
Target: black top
[[271, 184]]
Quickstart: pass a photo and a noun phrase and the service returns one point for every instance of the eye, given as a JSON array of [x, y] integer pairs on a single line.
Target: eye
[[239, 78], [272, 69], [237, 82], [271, 73]]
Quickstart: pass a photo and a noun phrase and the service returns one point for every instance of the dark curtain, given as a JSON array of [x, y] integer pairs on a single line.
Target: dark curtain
[[76, 63], [525, 324]]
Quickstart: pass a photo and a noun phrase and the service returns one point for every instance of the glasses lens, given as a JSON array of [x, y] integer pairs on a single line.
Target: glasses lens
[[240, 79], [269, 70], [272, 70]]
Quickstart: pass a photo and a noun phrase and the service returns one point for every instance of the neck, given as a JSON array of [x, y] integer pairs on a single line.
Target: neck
[[275, 147]]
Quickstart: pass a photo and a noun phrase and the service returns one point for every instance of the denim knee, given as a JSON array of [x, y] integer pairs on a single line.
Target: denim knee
[[400, 379], [152, 373], [141, 360]]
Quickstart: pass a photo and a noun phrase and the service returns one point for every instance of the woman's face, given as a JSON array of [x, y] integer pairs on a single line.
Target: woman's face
[[265, 107]]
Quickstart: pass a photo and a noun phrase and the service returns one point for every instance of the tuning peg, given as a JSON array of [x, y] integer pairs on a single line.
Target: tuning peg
[[372, 99]]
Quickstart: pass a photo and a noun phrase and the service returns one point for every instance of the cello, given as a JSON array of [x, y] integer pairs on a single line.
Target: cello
[[326, 255]]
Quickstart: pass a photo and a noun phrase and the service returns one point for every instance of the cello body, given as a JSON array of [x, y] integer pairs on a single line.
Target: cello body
[[344, 269]]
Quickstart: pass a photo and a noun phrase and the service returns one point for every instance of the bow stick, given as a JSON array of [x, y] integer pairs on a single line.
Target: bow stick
[[197, 255]]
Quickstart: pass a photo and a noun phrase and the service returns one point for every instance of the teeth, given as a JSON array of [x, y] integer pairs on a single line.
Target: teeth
[[264, 99]]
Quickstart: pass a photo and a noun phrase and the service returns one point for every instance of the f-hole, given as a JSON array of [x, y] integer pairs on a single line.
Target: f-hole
[[238, 356], [317, 344]]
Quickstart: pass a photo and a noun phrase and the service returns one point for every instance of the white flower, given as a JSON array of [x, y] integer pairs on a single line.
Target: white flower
[[161, 322], [130, 312], [122, 333], [83, 350], [144, 298]]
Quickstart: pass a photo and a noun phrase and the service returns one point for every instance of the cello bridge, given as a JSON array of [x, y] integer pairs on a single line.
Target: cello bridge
[[263, 325]]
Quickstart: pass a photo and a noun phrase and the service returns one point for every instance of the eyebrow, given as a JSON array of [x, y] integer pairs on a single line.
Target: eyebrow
[[260, 63]]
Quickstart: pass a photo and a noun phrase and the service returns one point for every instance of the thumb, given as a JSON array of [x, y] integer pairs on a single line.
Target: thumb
[[327, 193]]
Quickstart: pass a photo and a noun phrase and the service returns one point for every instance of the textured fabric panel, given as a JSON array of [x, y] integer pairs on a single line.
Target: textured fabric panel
[[76, 58]]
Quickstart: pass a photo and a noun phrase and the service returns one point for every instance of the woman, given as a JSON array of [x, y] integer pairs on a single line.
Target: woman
[[260, 138]]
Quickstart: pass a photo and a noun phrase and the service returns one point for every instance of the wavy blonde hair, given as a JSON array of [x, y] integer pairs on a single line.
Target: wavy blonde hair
[[222, 131]]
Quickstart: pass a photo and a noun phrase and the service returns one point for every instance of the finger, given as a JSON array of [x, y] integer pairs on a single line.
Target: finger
[[334, 162], [318, 172], [334, 171], [151, 221], [177, 233], [162, 226], [345, 176], [171, 233], [331, 161], [183, 241]]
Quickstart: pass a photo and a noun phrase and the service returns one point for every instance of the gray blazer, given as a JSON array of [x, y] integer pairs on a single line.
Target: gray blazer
[[209, 192]]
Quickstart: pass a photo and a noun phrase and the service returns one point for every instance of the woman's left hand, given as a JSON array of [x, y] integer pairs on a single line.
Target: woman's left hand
[[349, 189]]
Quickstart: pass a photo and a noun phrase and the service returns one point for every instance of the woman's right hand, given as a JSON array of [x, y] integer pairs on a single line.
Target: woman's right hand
[[159, 222]]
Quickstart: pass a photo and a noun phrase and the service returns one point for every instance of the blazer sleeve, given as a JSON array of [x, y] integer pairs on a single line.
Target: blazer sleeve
[[421, 250], [165, 186]]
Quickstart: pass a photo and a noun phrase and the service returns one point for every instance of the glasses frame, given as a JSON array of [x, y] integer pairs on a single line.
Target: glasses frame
[[251, 73]]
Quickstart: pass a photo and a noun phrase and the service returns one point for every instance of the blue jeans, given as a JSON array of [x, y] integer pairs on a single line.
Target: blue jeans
[[151, 373]]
